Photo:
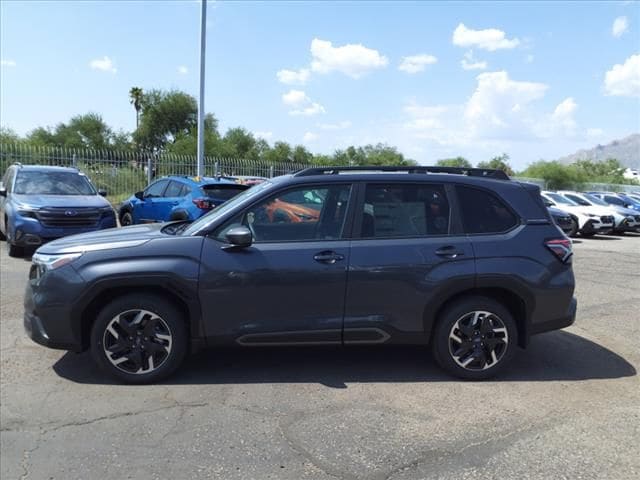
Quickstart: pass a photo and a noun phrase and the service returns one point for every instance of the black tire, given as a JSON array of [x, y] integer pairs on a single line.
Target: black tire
[[126, 219], [587, 234], [15, 250], [477, 348], [179, 215], [574, 228], [148, 338]]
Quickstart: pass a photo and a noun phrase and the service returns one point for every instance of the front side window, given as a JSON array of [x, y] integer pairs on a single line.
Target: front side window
[[156, 189], [483, 212], [52, 183], [300, 214], [405, 210]]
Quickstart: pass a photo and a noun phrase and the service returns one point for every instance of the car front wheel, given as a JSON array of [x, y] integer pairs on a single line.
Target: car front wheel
[[475, 338], [139, 338], [126, 219]]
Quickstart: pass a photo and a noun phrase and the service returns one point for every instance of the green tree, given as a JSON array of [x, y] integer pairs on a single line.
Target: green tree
[[8, 136], [501, 162], [239, 142], [281, 152], [135, 99], [556, 175], [460, 162], [165, 118], [608, 171], [302, 155]]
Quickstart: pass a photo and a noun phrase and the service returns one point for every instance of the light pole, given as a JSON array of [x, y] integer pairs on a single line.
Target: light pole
[[203, 44]]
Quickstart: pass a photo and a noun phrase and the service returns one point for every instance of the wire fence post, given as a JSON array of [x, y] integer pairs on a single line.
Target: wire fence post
[[270, 171], [216, 169], [74, 161], [149, 170]]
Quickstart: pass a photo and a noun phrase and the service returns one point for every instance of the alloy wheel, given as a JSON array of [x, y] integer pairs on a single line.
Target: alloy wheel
[[478, 340], [137, 341]]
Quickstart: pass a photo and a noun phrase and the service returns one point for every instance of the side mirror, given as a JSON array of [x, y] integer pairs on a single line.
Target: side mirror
[[547, 203], [239, 237], [102, 193], [3, 192], [139, 195]]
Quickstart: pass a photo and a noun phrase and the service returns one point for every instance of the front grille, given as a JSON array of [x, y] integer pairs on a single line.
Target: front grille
[[562, 221], [606, 219], [69, 217]]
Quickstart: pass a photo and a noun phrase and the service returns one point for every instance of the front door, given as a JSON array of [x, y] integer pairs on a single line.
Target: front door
[[289, 286], [407, 252]]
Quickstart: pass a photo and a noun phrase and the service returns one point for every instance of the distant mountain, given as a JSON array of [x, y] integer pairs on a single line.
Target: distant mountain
[[626, 150]]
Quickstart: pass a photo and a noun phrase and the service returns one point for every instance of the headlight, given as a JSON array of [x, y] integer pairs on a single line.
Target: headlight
[[51, 262], [591, 215], [27, 212]]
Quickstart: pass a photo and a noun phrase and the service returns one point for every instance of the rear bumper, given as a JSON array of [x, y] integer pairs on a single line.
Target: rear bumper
[[557, 323]]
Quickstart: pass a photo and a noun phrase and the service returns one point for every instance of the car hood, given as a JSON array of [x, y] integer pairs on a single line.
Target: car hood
[[131, 236], [624, 211], [557, 212], [61, 201]]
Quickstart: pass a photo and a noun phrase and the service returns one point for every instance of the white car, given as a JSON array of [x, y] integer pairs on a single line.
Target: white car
[[588, 220], [624, 218]]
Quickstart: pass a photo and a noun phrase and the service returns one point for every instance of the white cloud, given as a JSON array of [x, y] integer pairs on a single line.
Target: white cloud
[[308, 111], [294, 77], [490, 39], [624, 79], [335, 126], [264, 135], [498, 107], [620, 26], [594, 132], [416, 63], [182, 70], [562, 117], [302, 104], [105, 64], [354, 60], [295, 97], [7, 62], [309, 137], [470, 63]]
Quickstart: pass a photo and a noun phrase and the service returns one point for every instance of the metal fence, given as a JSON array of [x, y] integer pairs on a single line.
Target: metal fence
[[123, 173]]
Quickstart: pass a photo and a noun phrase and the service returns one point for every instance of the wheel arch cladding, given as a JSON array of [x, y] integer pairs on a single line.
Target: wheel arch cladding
[[108, 294], [511, 301]]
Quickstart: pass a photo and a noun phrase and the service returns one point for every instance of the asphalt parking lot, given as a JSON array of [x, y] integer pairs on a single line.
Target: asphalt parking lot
[[569, 407]]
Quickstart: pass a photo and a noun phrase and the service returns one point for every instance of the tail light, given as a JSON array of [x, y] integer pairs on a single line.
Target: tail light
[[203, 203], [561, 248]]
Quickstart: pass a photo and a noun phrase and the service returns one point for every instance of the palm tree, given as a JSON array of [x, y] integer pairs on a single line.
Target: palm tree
[[135, 98]]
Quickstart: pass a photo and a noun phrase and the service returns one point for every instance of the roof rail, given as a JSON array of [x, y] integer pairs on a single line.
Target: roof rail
[[17, 164], [472, 172]]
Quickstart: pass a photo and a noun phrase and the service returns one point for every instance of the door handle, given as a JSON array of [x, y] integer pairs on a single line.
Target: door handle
[[449, 252], [328, 257]]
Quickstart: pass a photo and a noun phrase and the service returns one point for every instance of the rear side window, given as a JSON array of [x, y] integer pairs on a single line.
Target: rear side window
[[483, 212], [614, 200], [173, 190], [404, 210], [156, 189]]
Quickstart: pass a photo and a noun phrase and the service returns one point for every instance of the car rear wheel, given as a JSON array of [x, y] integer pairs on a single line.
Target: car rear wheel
[[475, 338], [15, 250], [139, 338], [126, 219]]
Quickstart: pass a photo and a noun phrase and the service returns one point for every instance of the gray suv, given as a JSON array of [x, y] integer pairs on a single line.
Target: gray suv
[[463, 261]]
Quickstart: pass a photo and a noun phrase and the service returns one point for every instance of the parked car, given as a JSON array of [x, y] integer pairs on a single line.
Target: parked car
[[564, 221], [587, 220], [624, 218], [618, 199], [177, 198], [39, 204], [634, 196], [467, 263]]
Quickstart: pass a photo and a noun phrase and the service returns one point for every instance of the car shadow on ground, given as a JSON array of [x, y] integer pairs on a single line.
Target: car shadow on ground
[[550, 357]]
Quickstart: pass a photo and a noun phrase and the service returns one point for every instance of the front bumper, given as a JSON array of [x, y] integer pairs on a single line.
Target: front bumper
[[48, 318], [596, 226], [28, 231]]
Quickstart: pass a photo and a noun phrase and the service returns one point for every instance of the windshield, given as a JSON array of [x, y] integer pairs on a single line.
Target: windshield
[[52, 183], [595, 200], [557, 198], [210, 217]]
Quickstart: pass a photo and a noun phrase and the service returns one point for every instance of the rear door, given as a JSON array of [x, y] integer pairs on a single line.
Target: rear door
[[408, 249]]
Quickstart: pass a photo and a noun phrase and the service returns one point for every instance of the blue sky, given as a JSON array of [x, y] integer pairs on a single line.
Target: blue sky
[[539, 80]]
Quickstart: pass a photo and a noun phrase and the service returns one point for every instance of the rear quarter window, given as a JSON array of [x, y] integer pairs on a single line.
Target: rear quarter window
[[484, 212]]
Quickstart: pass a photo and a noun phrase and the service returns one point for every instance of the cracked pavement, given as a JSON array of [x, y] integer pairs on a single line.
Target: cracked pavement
[[569, 407]]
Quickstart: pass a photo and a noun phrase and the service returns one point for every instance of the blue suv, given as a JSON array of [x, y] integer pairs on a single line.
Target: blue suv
[[177, 198], [39, 203]]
